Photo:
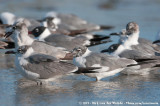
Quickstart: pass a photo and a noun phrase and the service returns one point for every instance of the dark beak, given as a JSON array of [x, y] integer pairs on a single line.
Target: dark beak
[[157, 41], [8, 34], [115, 34]]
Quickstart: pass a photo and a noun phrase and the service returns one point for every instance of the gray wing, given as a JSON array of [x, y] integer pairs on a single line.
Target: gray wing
[[133, 54], [66, 41], [143, 50], [142, 40], [150, 44], [73, 22], [47, 66], [41, 47], [37, 58], [146, 47], [107, 60], [147, 63]]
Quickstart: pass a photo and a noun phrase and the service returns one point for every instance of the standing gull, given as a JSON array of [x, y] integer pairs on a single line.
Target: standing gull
[[134, 48], [110, 65]]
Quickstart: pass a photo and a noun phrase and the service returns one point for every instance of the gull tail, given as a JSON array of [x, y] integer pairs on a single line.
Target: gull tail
[[86, 70], [94, 43], [104, 51], [99, 37], [157, 65], [154, 61], [114, 34], [7, 45]]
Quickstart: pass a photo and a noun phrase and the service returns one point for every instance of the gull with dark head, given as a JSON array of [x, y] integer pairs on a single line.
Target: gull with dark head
[[42, 33], [19, 33]]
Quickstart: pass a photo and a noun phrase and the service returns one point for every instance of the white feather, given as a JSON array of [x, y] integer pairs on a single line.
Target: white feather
[[89, 36], [86, 43], [80, 61], [132, 40], [21, 39], [101, 75], [44, 35], [44, 23]]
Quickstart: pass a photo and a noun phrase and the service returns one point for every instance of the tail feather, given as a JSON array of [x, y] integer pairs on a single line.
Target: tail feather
[[143, 62], [94, 43], [7, 45], [103, 51], [100, 38], [87, 70], [115, 33], [157, 65]]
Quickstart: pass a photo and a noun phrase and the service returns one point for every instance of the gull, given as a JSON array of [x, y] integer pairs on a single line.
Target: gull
[[67, 22], [19, 33], [110, 65], [136, 48], [42, 68], [139, 47], [42, 33]]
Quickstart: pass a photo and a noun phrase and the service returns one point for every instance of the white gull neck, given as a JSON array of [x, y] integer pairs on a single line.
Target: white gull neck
[[86, 53], [44, 35], [22, 38], [132, 40]]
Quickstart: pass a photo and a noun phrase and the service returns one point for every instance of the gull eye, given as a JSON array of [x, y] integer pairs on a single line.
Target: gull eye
[[14, 27]]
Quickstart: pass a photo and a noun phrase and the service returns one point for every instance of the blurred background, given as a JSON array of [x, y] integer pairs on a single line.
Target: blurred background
[[76, 90], [110, 12]]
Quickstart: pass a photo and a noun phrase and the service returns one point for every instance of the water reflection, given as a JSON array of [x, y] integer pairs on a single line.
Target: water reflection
[[6, 61], [65, 91]]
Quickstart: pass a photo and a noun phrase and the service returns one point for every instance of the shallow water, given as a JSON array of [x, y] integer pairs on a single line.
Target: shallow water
[[81, 90]]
